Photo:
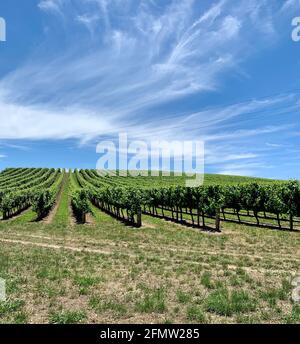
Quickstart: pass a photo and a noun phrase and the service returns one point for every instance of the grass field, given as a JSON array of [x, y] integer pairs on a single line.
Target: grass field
[[57, 271]]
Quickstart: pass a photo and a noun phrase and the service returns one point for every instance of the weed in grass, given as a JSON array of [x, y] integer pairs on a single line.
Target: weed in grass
[[176, 310], [285, 290], [195, 313], [243, 275], [83, 291], [85, 282], [135, 271], [219, 284], [265, 316], [198, 292], [21, 318], [183, 297], [241, 302], [240, 272], [227, 273], [152, 302], [206, 280], [271, 296], [50, 289], [168, 322], [67, 317], [165, 274], [294, 316], [143, 286], [222, 303], [50, 273], [8, 307], [13, 286], [101, 306], [246, 319], [235, 281], [219, 302]]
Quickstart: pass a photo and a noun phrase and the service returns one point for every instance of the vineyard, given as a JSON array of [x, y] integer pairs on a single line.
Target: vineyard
[[264, 203], [79, 246], [36, 188]]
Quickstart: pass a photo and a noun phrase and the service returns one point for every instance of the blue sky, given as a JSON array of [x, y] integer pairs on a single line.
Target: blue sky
[[74, 72]]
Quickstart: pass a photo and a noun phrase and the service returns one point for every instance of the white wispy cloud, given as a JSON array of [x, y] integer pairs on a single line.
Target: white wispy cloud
[[274, 145], [237, 172], [247, 169], [51, 6], [32, 122], [230, 157], [89, 21], [141, 60], [290, 4], [134, 58], [15, 146]]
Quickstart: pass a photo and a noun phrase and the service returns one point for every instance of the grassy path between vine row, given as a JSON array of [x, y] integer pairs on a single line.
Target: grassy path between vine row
[[60, 214], [26, 215]]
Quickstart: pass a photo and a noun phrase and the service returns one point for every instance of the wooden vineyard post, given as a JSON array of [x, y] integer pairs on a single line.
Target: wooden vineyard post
[[256, 216], [291, 222], [278, 220], [203, 219], [223, 212], [139, 219], [192, 217], [218, 220], [238, 215]]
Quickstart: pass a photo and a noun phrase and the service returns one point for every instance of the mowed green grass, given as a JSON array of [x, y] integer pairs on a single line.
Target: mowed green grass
[[161, 273], [62, 213], [226, 179]]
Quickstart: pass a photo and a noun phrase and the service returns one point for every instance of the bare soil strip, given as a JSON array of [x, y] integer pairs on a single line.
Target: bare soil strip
[[61, 247], [111, 245], [133, 256], [148, 225], [72, 217], [90, 220]]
